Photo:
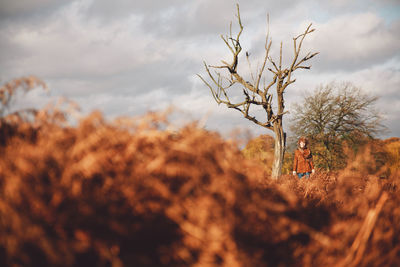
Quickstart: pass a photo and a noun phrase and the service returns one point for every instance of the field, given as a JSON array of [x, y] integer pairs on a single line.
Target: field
[[127, 193]]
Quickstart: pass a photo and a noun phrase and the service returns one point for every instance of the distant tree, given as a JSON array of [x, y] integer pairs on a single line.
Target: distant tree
[[261, 150], [255, 90], [335, 116]]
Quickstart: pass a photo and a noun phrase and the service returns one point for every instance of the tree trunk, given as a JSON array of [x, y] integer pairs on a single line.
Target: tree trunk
[[279, 151]]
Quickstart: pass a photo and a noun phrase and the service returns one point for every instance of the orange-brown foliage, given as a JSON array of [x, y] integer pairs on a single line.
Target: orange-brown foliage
[[261, 150], [392, 149], [9, 90], [129, 194]]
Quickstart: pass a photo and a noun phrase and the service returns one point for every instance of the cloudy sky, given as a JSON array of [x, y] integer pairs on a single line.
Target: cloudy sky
[[126, 57]]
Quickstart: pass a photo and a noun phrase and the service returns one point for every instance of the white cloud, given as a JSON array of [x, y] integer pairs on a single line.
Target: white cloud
[[354, 41], [69, 46]]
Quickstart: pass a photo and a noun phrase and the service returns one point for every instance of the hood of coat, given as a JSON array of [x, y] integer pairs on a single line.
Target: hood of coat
[[304, 140]]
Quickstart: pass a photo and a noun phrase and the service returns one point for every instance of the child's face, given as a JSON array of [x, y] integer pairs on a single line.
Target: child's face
[[302, 144]]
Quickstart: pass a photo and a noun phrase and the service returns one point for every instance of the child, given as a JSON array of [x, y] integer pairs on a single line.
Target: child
[[303, 163]]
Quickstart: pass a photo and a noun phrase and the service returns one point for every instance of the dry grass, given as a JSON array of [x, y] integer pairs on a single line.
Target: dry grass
[[126, 193]]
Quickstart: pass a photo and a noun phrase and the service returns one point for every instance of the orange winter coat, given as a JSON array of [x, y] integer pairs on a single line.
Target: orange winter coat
[[303, 161]]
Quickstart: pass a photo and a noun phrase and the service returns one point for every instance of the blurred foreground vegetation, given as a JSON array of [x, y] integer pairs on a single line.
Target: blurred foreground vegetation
[[127, 193]]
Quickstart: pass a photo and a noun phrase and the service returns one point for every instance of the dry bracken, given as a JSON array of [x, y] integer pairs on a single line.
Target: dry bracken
[[126, 193]]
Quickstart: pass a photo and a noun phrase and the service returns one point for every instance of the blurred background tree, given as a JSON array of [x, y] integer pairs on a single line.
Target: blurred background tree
[[336, 117], [261, 150], [391, 156]]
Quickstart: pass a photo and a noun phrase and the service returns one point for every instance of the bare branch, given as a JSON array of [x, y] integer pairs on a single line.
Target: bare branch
[[273, 63], [305, 59], [227, 44], [280, 58], [211, 89], [267, 49], [296, 65], [266, 89], [249, 64]]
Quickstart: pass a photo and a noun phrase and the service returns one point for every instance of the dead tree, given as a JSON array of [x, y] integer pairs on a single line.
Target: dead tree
[[256, 92]]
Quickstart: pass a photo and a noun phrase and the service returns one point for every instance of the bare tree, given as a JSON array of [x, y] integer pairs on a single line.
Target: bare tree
[[334, 114], [256, 92]]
